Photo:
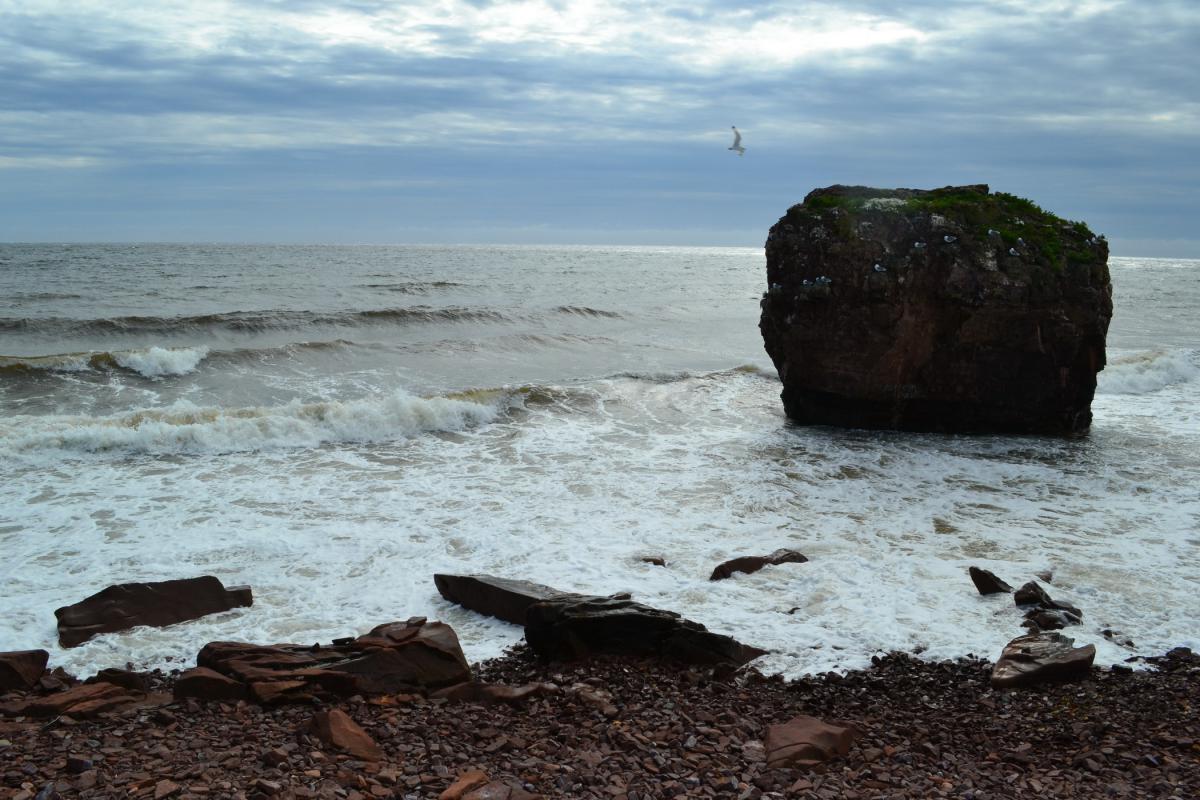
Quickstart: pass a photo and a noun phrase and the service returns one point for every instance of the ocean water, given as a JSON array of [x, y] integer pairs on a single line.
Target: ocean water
[[333, 425]]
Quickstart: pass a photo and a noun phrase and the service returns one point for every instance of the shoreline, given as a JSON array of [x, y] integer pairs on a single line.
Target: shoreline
[[633, 729]]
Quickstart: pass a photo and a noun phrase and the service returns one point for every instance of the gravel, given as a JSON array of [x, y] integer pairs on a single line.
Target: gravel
[[627, 729]]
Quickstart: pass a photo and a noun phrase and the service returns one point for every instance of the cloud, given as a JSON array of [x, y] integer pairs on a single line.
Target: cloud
[[1003, 88]]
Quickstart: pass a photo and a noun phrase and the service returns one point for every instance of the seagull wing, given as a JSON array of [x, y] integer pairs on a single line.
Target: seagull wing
[[737, 138]]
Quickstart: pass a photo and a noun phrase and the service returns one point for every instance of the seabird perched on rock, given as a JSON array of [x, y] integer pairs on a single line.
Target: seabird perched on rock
[[948, 239], [880, 268], [1012, 251], [806, 282], [919, 245], [824, 281], [1021, 242], [993, 232], [737, 142]]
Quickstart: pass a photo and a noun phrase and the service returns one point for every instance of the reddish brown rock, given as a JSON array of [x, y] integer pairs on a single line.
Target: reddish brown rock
[[1041, 658], [750, 564], [206, 684], [502, 598], [465, 783], [85, 700], [986, 582], [129, 605], [575, 627], [806, 741], [415, 655], [335, 727], [472, 692], [955, 309], [499, 790], [21, 669]]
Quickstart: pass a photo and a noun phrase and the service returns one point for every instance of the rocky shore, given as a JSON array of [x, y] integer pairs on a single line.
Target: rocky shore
[[629, 728]]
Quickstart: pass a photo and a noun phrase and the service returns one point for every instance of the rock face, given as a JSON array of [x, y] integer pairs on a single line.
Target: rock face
[[399, 657], [750, 564], [954, 309], [129, 605], [1041, 658]]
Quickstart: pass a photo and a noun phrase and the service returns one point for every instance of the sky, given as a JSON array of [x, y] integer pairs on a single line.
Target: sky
[[591, 121]]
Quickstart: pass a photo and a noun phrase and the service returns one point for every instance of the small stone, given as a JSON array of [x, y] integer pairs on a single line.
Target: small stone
[[165, 788]]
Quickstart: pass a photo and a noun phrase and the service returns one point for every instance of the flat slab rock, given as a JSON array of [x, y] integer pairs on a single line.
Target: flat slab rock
[[503, 598], [807, 741], [574, 628], [157, 604], [564, 626], [1041, 658], [85, 701], [398, 657]]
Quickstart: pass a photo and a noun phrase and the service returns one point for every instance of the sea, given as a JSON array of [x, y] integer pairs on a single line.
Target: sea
[[333, 425]]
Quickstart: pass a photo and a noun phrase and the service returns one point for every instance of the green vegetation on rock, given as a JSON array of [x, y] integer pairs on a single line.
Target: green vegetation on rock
[[1043, 237]]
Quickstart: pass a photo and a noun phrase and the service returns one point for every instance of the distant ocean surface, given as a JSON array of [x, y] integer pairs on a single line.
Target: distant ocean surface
[[333, 425]]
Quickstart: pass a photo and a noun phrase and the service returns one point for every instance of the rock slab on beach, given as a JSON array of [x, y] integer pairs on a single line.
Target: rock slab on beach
[[954, 309], [1041, 658], [806, 741], [399, 657], [503, 598], [578, 627], [564, 626], [156, 604], [21, 669], [750, 564]]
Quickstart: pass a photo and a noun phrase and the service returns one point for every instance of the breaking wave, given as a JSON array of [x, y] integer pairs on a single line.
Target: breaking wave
[[187, 429], [1148, 371], [150, 362]]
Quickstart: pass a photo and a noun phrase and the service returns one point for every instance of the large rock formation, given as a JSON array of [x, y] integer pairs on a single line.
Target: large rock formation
[[128, 605], [954, 309]]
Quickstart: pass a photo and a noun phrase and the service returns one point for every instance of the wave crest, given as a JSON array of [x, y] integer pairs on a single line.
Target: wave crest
[[224, 430], [1147, 372], [150, 362]]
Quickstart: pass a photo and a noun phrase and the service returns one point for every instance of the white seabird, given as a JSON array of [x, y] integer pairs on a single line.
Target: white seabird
[[737, 142]]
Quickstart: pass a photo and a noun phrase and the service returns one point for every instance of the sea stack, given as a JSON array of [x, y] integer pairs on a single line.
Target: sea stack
[[954, 309]]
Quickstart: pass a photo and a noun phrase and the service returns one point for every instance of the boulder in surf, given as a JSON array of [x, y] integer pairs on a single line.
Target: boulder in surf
[[749, 564], [1038, 658], [955, 309]]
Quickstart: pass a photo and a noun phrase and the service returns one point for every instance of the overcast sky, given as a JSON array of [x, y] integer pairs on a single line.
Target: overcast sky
[[591, 121]]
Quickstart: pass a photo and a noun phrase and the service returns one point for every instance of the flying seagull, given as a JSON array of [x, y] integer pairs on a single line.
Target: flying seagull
[[737, 142]]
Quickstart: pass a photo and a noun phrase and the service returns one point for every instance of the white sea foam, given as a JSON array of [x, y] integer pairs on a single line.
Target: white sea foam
[[1148, 371], [697, 469], [186, 429], [157, 362]]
